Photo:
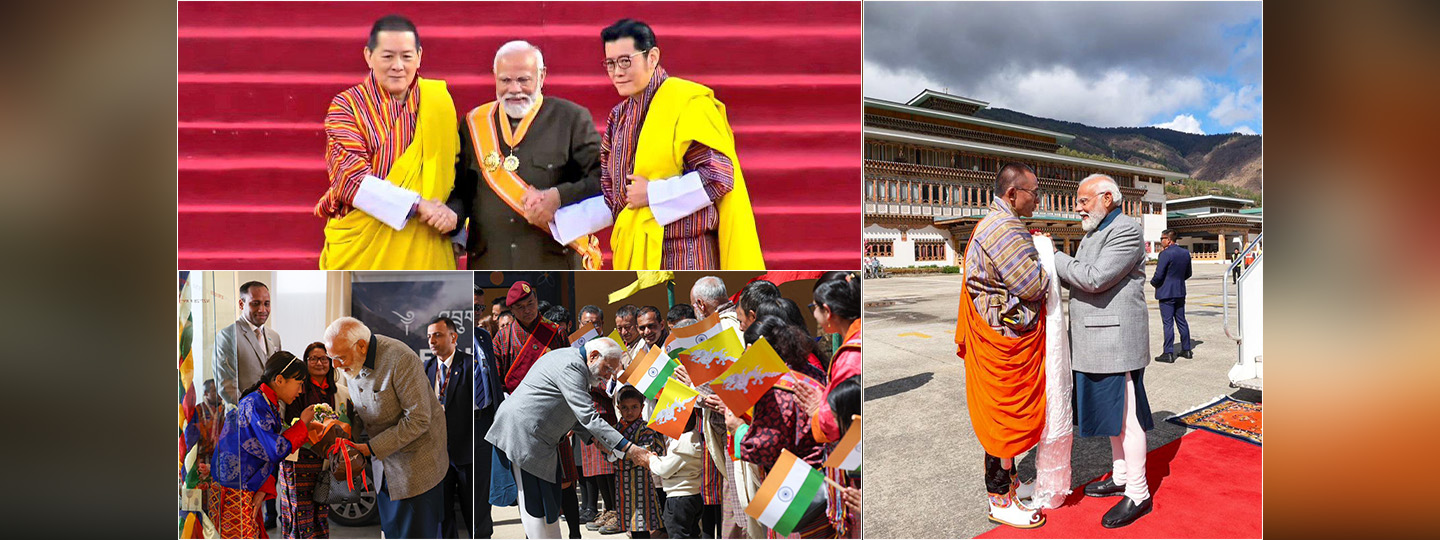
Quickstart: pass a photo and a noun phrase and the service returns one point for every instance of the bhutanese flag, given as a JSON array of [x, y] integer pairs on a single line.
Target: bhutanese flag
[[712, 357], [695, 334], [846, 455], [673, 410], [585, 333], [649, 373], [644, 278], [742, 384], [786, 493]]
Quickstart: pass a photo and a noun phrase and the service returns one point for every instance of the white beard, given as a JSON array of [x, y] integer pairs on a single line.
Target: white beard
[[519, 111], [1090, 222]]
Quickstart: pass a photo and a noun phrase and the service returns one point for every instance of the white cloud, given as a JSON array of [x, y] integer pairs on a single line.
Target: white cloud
[[883, 83], [1244, 130], [1115, 98], [1243, 105], [1184, 122]]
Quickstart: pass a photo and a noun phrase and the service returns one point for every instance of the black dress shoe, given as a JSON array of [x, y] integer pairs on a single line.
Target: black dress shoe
[[1187, 353], [1104, 488], [1168, 358], [1126, 512]]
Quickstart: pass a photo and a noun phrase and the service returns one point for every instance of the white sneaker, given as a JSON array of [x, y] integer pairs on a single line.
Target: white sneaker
[[1006, 510]]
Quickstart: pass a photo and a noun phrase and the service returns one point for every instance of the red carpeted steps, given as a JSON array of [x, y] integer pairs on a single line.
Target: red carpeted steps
[[1205, 486], [251, 149]]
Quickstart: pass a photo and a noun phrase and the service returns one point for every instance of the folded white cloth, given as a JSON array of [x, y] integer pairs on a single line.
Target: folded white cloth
[[385, 201], [677, 197], [579, 219]]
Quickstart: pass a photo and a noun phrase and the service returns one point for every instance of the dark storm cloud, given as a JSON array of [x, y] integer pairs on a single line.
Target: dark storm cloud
[[964, 42]]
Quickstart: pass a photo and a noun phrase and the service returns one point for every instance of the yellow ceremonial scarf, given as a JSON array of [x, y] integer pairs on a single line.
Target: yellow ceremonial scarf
[[357, 241], [637, 238]]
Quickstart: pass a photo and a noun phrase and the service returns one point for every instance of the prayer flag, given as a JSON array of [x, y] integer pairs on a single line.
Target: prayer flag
[[742, 384], [672, 412], [712, 357], [786, 493], [584, 334], [644, 278], [649, 374], [846, 455]]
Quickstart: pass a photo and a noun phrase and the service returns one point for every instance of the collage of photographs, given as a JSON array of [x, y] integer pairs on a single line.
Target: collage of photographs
[[674, 219]]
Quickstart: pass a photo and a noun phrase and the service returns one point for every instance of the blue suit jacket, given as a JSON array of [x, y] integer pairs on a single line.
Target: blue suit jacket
[[459, 402], [1171, 272]]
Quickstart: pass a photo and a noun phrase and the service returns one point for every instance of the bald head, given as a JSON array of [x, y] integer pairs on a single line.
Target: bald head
[[1017, 185]]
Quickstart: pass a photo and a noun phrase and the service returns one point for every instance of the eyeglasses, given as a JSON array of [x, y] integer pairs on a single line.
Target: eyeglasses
[[318, 359], [1082, 201], [622, 62], [1032, 192]]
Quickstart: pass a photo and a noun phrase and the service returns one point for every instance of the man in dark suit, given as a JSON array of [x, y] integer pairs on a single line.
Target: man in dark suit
[[488, 395], [450, 376], [1169, 281], [550, 145]]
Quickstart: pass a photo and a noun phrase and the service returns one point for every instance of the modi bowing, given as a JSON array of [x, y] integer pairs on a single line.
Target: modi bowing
[[669, 171], [391, 143]]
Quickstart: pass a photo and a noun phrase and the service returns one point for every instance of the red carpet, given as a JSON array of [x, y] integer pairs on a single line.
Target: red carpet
[[1205, 486], [251, 146]]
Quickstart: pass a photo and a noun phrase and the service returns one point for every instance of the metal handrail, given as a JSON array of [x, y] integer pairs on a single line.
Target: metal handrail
[[1225, 288]]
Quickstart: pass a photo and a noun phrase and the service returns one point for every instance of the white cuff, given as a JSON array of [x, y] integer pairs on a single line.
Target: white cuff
[[675, 198], [579, 219], [385, 201]]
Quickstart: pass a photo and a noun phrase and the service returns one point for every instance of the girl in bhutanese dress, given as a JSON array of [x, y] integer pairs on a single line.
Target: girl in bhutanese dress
[[252, 444]]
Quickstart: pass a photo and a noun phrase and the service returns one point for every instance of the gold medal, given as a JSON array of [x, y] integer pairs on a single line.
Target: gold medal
[[512, 163], [492, 161]]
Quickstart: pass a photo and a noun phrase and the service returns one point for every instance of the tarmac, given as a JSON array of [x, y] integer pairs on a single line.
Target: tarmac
[[923, 464]]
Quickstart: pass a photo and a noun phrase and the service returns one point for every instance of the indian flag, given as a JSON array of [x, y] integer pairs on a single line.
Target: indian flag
[[788, 489], [648, 374], [695, 334], [712, 357], [846, 455], [742, 384], [673, 410], [585, 333]]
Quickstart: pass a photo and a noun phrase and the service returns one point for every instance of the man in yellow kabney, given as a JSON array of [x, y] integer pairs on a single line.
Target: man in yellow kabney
[[390, 146], [669, 171]]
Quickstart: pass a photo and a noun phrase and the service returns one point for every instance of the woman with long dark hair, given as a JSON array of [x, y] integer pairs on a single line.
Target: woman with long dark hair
[[253, 443], [837, 310], [300, 515]]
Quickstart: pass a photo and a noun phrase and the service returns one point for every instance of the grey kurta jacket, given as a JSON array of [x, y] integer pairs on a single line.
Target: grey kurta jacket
[[402, 416], [553, 400], [1109, 322]]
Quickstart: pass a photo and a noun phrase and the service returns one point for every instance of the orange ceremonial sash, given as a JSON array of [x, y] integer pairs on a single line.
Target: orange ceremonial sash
[[508, 185], [1004, 381]]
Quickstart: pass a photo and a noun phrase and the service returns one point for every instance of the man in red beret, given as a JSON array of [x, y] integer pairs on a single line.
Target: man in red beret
[[520, 344]]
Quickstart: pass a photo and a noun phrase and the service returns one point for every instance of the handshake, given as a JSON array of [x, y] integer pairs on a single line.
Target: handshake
[[639, 455], [436, 215]]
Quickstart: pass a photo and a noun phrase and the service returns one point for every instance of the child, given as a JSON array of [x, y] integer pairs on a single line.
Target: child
[[637, 502], [679, 471]]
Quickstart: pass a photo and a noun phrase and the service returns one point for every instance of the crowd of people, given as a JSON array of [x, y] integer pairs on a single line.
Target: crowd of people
[[526, 181], [564, 437], [264, 463]]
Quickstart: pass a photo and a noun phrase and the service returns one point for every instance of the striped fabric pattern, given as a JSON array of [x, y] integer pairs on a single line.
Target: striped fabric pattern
[[691, 243], [638, 503], [1005, 269], [366, 130]]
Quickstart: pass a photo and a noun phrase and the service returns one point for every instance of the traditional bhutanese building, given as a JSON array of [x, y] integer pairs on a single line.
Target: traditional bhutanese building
[[930, 167], [1213, 227]]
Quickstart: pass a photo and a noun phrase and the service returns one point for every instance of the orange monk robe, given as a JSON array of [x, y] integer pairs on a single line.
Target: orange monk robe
[[1004, 382]]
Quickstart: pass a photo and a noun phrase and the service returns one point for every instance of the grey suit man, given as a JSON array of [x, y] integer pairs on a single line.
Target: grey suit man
[[1110, 342], [551, 401], [405, 422], [239, 361]]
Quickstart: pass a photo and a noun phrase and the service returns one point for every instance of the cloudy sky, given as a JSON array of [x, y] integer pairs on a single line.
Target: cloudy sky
[[1188, 66]]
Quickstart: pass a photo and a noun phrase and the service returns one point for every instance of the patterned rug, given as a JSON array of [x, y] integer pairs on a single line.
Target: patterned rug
[[1226, 416]]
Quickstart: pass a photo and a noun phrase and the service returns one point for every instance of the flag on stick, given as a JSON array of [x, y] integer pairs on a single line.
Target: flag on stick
[[786, 493], [712, 357], [689, 336], [742, 384], [644, 278], [846, 455], [648, 374], [585, 333], [672, 412]]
